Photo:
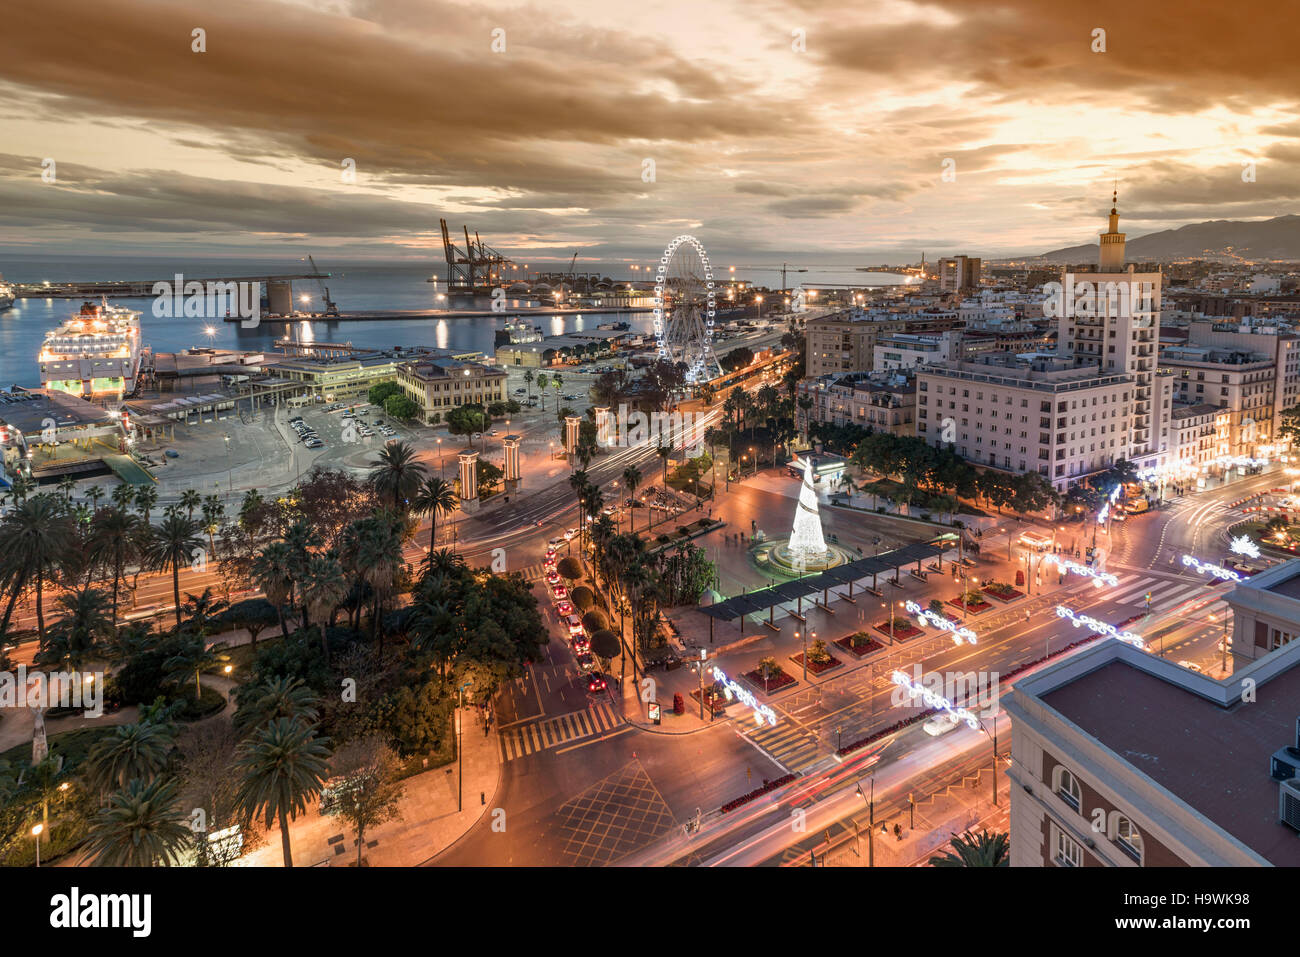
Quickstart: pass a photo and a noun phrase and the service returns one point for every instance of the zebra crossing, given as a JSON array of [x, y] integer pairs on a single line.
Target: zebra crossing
[[1165, 592], [534, 573], [790, 746], [553, 732]]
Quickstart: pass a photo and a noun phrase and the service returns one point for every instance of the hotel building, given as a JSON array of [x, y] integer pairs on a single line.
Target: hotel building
[[1121, 758]]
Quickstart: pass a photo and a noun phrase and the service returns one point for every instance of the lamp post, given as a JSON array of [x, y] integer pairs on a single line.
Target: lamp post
[[871, 821], [230, 473], [36, 836], [460, 751], [994, 738]]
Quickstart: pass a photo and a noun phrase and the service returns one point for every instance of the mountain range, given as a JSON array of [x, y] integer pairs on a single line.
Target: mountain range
[[1225, 239]]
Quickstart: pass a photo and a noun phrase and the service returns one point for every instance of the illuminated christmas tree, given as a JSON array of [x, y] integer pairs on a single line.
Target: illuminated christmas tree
[[807, 546]]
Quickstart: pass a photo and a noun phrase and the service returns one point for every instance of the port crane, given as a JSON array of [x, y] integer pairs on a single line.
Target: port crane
[[331, 308], [477, 268]]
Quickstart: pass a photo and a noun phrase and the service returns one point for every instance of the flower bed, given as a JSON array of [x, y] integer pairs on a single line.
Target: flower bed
[[1002, 591], [865, 644], [776, 683], [902, 630], [757, 792], [816, 667], [974, 607], [719, 701]]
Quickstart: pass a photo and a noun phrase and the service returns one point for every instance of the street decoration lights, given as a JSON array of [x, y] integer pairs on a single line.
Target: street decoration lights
[[1242, 545], [959, 633], [733, 691], [1099, 577], [916, 689], [1206, 568], [1101, 627]]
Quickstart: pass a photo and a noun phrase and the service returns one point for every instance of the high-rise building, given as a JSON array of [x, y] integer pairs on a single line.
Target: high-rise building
[[959, 273]]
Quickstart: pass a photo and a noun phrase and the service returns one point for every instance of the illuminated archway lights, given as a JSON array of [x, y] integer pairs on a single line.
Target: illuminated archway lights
[[1100, 627], [1100, 578], [917, 690], [959, 632], [734, 691], [1205, 568]]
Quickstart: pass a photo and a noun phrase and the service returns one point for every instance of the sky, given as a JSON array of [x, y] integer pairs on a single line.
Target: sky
[[818, 132]]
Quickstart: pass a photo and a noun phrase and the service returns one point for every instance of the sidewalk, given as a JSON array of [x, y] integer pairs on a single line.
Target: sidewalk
[[429, 822]]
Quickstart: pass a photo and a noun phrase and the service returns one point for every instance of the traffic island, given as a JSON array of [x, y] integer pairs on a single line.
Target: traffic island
[[974, 603], [815, 666], [770, 677], [898, 630], [1002, 591]]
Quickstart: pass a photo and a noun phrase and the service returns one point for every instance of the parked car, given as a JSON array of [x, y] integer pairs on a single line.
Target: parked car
[[1190, 666]]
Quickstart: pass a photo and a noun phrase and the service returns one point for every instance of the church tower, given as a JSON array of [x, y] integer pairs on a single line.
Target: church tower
[[1112, 241]]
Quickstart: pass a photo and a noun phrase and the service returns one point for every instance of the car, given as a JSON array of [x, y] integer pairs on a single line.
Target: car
[[557, 542], [1118, 515], [563, 608], [596, 683], [588, 663], [574, 624], [520, 392], [315, 444], [559, 591], [549, 562], [1190, 666], [379, 421], [581, 645], [493, 432], [569, 533], [941, 723], [172, 454], [552, 577], [296, 418]]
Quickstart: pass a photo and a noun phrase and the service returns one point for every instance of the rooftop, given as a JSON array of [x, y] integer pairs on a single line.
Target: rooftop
[[1213, 758]]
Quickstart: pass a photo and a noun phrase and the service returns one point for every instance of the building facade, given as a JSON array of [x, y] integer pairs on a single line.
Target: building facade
[[440, 385], [884, 403]]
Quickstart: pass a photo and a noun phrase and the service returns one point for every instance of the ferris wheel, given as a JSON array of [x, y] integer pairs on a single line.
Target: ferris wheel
[[685, 308]]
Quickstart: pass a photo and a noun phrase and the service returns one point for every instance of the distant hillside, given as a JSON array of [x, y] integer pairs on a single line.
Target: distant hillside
[[1277, 238]]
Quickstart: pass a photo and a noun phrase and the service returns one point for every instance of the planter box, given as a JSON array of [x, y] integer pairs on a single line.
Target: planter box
[[755, 678], [816, 667], [903, 630], [1009, 595], [974, 608], [866, 648]]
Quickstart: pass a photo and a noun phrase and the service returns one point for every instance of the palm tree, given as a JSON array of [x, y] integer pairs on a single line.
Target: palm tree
[[193, 658], [435, 498], [79, 635], [213, 513], [665, 450], [543, 380], [203, 611], [971, 850], [273, 570], [379, 555], [632, 479], [33, 539], [137, 751], [173, 544], [114, 544], [95, 493], [141, 827], [123, 495], [397, 474], [275, 698], [146, 497], [283, 768], [322, 590], [581, 488], [190, 500], [66, 485], [22, 486], [528, 380]]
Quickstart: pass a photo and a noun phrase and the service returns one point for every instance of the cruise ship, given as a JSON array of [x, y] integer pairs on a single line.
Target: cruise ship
[[95, 354], [6, 294]]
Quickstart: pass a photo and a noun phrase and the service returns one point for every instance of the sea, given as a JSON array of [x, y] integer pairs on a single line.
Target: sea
[[354, 287]]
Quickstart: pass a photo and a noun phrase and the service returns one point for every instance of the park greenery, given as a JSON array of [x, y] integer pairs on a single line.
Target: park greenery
[[354, 658]]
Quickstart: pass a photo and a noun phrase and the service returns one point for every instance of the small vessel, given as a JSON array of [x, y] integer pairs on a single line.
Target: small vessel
[[95, 354]]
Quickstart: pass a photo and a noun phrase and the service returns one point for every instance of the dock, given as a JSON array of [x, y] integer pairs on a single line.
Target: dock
[[416, 314]]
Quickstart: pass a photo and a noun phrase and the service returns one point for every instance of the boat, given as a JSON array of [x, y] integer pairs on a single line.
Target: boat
[[95, 354], [6, 294]]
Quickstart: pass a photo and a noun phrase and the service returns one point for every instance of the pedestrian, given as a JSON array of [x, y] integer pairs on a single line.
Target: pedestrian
[[898, 832]]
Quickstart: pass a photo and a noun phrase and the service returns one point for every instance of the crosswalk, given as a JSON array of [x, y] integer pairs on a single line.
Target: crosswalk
[[787, 744], [553, 732], [1165, 592], [534, 573]]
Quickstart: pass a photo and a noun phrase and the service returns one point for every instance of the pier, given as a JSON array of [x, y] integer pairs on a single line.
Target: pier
[[134, 288], [387, 315]]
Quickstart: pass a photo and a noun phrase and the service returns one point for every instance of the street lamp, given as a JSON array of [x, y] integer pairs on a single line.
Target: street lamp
[[994, 738], [230, 472], [36, 835], [460, 751], [871, 820]]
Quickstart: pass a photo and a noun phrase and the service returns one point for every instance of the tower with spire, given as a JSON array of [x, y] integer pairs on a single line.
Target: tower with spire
[[1111, 251]]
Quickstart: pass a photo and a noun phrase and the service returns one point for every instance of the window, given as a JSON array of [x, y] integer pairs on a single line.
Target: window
[[1066, 786], [1127, 836], [1067, 852]]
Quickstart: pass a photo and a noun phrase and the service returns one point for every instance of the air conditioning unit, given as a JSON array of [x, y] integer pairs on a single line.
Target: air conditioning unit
[[1284, 765], [1288, 803]]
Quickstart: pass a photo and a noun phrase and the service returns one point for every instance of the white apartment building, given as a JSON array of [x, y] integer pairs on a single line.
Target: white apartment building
[[905, 350], [884, 403], [1240, 383]]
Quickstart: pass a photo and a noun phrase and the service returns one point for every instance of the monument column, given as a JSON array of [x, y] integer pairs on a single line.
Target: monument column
[[511, 444], [469, 480], [571, 425]]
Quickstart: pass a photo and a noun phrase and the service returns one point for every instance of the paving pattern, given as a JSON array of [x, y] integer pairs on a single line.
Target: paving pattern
[[612, 818]]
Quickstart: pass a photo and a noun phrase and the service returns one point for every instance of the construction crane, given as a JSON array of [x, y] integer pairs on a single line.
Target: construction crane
[[331, 309], [477, 268]]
